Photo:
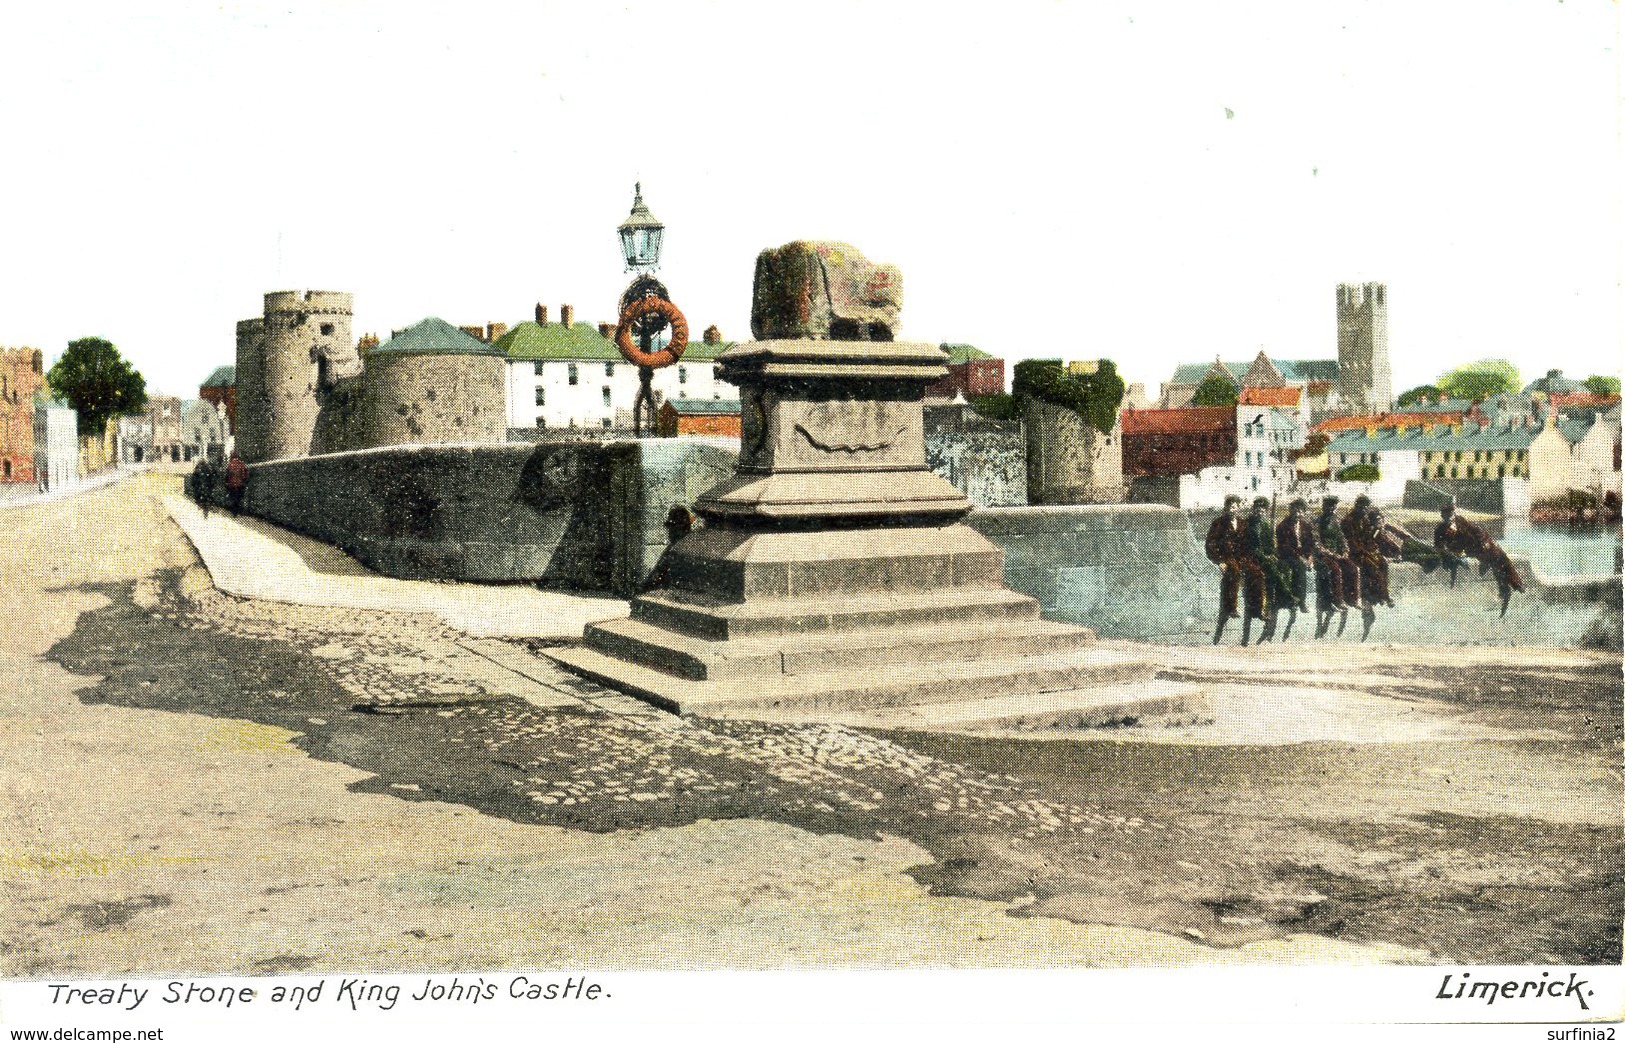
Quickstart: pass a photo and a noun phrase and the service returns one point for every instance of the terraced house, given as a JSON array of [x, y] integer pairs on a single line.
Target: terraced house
[[1437, 446], [570, 375]]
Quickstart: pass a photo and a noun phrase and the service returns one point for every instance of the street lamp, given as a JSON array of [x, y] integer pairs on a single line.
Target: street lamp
[[641, 233], [646, 310]]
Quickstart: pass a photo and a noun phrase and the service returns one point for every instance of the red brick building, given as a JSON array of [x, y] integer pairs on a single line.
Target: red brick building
[[221, 390], [970, 372], [22, 375], [688, 416], [1177, 441]]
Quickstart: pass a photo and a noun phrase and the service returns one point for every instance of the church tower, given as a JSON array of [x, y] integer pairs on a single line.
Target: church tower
[[1364, 376]]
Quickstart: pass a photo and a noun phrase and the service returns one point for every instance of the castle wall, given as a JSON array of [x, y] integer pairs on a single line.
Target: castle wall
[[253, 403], [583, 516], [307, 337], [430, 400], [1068, 461]]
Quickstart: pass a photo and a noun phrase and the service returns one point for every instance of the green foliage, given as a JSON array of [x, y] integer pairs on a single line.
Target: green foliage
[[1093, 396], [1602, 385], [1479, 380], [97, 382], [1416, 394], [1359, 473], [996, 407], [1214, 391]]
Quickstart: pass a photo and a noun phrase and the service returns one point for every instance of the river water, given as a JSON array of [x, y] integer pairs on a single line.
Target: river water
[[1562, 552]]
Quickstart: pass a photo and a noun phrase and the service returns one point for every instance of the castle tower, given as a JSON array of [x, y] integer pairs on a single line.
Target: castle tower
[[1364, 375], [253, 406], [303, 343]]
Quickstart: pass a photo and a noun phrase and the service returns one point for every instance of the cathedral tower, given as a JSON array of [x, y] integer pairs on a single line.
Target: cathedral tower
[[1364, 376]]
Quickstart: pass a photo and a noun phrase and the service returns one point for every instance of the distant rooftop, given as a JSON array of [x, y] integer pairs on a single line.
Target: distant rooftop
[[580, 342], [432, 336], [223, 377]]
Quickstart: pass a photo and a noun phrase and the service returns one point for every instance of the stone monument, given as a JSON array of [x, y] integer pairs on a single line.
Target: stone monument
[[833, 570]]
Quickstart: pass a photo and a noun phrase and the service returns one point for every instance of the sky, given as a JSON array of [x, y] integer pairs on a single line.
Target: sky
[[1151, 183]]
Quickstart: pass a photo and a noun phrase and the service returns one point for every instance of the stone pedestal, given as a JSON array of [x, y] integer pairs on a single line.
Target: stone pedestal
[[833, 571]]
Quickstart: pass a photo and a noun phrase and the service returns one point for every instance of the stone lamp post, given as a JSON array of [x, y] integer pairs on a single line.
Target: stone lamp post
[[833, 572]]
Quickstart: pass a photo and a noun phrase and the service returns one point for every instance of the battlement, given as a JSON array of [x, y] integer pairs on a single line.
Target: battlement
[[247, 329], [308, 302], [1361, 295], [32, 358]]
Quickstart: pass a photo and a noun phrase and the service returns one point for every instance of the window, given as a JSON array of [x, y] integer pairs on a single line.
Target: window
[[682, 374], [541, 421], [606, 421], [536, 368], [606, 394], [571, 376], [541, 396], [609, 369], [327, 329]]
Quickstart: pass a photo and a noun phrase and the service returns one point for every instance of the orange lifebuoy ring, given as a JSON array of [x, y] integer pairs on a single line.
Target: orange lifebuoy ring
[[653, 359]]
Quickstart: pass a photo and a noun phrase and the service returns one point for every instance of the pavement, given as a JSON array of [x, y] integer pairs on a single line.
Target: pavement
[[254, 559], [203, 782], [26, 495]]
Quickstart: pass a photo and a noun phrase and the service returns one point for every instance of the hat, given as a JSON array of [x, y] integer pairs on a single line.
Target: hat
[[1329, 502], [1232, 498], [1362, 500], [1299, 502], [1261, 501]]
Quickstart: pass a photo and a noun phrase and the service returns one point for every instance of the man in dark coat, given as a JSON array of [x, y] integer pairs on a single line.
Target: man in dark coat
[[236, 482], [1295, 545], [204, 477], [1457, 535], [1226, 547], [1260, 544], [1337, 581], [1360, 532]]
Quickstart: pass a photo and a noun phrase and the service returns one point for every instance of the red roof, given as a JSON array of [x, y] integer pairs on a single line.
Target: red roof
[[1346, 423], [1263, 396], [1565, 399], [1192, 420], [1319, 388]]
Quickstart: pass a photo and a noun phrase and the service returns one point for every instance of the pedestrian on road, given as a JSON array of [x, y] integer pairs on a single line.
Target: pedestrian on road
[[203, 483], [236, 482]]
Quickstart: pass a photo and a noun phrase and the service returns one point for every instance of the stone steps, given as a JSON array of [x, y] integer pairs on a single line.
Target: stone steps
[[721, 621], [1046, 712], [699, 658], [913, 681]]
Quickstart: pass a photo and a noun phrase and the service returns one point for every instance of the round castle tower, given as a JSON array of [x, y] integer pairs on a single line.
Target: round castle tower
[[302, 344]]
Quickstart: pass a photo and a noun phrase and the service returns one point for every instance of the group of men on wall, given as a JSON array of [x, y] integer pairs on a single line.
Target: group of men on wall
[[1265, 566]]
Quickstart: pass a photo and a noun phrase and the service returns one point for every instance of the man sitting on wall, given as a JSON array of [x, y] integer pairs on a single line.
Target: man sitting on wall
[[1227, 548]]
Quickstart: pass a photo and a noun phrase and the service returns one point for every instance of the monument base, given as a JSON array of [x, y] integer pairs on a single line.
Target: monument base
[[797, 624]]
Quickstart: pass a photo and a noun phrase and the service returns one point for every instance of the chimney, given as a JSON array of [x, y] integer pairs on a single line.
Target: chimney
[[567, 314], [477, 332], [368, 342], [493, 330], [606, 330], [541, 315], [713, 335]]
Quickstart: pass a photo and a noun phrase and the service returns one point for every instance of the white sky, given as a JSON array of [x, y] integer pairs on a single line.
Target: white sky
[[1053, 179]]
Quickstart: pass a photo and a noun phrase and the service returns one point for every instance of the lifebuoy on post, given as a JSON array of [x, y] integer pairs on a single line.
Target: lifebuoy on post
[[652, 359]]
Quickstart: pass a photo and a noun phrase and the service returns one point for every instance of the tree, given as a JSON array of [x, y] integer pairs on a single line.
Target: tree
[[1214, 391], [1477, 381], [1416, 394], [997, 406], [1359, 473], [97, 382], [1093, 396], [1602, 385]]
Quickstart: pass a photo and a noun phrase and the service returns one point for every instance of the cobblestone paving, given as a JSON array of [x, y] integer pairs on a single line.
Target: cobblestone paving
[[412, 703]]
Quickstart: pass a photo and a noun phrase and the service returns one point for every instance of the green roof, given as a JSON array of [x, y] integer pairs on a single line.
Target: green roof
[[1472, 437], [704, 406], [958, 354], [224, 377], [433, 336], [578, 342]]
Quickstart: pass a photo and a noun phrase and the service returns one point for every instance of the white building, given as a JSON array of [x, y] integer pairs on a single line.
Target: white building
[[56, 444], [569, 375], [204, 430], [1265, 441]]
